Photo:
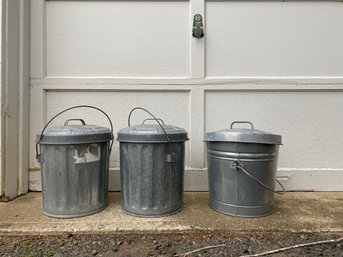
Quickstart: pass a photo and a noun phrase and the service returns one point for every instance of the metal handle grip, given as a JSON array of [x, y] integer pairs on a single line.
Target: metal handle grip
[[154, 120], [68, 109], [244, 122], [239, 166], [66, 123]]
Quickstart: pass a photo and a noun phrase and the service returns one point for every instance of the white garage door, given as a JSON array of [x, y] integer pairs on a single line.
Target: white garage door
[[277, 64]]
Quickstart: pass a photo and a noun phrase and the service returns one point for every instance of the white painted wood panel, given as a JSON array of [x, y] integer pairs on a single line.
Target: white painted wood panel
[[117, 38], [197, 44], [311, 123], [278, 64], [14, 98], [2, 136], [171, 106], [37, 39], [267, 38]]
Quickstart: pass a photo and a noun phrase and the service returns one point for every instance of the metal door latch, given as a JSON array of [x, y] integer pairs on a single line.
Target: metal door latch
[[198, 26]]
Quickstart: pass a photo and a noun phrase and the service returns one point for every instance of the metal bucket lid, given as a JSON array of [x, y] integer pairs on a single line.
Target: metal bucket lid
[[243, 135], [151, 133], [75, 134]]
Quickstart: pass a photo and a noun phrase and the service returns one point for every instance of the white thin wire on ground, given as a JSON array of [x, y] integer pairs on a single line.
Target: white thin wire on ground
[[294, 247], [198, 250], [268, 252]]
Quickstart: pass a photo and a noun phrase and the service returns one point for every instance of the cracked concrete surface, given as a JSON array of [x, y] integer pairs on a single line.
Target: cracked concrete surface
[[293, 212]]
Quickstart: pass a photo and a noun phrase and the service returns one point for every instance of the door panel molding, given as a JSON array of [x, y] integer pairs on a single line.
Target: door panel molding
[[197, 86], [14, 98]]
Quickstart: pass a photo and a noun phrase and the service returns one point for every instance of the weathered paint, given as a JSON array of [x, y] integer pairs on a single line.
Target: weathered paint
[[278, 64], [14, 98]]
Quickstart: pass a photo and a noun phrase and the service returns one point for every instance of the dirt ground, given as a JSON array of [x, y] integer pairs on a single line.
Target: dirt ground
[[171, 244]]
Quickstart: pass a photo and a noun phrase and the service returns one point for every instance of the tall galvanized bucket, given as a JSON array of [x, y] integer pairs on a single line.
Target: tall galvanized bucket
[[242, 166], [74, 161], [151, 168]]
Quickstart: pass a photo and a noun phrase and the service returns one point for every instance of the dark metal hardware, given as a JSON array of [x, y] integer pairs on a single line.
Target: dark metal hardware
[[198, 26]]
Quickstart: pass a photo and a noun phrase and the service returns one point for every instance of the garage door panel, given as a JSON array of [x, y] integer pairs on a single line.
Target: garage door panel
[[117, 39], [263, 38]]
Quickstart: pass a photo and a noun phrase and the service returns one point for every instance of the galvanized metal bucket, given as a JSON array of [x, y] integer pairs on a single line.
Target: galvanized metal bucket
[[151, 168], [242, 166], [74, 162]]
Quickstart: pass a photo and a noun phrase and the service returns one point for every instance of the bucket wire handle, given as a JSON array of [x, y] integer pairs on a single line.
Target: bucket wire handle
[[244, 122], [159, 123], [70, 108], [239, 166]]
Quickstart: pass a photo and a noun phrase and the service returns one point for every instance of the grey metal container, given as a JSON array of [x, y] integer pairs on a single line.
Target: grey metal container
[[152, 168], [74, 163], [242, 166]]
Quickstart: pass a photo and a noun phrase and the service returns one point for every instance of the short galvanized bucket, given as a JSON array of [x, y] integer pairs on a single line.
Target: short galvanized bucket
[[74, 161], [242, 166], [151, 168]]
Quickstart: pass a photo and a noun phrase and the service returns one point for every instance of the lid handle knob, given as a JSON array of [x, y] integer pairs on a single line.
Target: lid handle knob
[[159, 121], [66, 123], [82, 121], [153, 120], [244, 122]]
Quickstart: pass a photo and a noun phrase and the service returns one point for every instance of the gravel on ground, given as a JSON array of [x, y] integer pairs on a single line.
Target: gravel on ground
[[168, 244]]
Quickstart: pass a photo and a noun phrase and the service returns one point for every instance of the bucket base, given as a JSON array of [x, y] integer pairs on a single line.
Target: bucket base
[[77, 215], [151, 215], [241, 211]]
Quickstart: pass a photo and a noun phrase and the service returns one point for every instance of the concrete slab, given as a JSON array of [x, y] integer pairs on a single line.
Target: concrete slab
[[293, 212]]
